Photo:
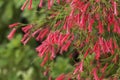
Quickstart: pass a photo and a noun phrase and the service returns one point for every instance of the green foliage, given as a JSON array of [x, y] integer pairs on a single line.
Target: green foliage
[[18, 62], [61, 65]]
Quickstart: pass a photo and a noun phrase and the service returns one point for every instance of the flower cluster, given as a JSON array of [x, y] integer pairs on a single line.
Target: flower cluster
[[104, 47], [56, 42], [98, 20]]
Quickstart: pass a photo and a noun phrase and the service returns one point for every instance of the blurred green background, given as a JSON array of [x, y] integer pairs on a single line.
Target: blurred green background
[[18, 62]]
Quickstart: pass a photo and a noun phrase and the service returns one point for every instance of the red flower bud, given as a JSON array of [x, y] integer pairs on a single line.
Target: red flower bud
[[11, 34]]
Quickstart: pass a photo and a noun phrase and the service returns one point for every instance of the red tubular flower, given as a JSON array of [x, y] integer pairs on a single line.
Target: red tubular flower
[[104, 68], [116, 26], [39, 49], [97, 0], [68, 1], [55, 36], [53, 55], [49, 4], [65, 38], [45, 60], [58, 1], [85, 55], [67, 43], [108, 28], [100, 27], [61, 77], [24, 5], [107, 47], [82, 21], [65, 24], [103, 47], [65, 47], [35, 33], [45, 32], [111, 19], [30, 4], [57, 24], [39, 35], [96, 49], [68, 24], [77, 4], [11, 34], [71, 13], [95, 74], [25, 41], [27, 28], [98, 53], [42, 51], [60, 39], [78, 18], [85, 7], [42, 34], [25, 38], [41, 3], [91, 21], [76, 70], [101, 41], [118, 29], [79, 68], [13, 25], [115, 8], [50, 78], [78, 77]]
